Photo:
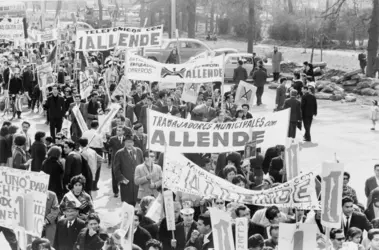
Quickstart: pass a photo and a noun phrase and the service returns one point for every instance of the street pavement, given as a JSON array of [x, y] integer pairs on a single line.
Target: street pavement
[[339, 128]]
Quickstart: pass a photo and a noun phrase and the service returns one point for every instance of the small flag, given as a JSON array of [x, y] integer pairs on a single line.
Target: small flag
[[52, 56]]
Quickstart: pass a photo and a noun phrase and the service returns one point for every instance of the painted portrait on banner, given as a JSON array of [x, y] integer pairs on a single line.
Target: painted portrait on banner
[[297, 236]]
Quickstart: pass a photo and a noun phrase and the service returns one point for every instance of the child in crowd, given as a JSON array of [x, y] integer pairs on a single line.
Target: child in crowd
[[374, 113]]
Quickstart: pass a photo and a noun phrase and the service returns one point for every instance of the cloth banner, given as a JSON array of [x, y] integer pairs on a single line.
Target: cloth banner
[[122, 38], [221, 229], [79, 118], [241, 233], [44, 74], [12, 29], [106, 124], [186, 136], [297, 236], [200, 71], [4, 243], [37, 36], [190, 92], [166, 85], [44, 68], [23, 199], [86, 87], [292, 159], [331, 194], [126, 227], [169, 209], [123, 87], [156, 211], [245, 94], [66, 125], [181, 174]]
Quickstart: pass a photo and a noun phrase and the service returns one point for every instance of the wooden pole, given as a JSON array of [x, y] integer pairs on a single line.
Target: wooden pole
[[177, 46]]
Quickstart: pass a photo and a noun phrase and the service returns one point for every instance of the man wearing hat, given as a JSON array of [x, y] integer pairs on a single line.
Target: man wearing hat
[[125, 162], [68, 228], [185, 228]]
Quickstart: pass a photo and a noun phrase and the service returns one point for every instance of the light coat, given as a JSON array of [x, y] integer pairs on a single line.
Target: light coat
[[144, 184]]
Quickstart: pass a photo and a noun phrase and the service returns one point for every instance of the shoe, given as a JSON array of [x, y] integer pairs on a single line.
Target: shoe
[[116, 195], [372, 128]]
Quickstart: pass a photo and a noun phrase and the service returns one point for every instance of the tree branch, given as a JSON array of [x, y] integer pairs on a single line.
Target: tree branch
[[333, 10]]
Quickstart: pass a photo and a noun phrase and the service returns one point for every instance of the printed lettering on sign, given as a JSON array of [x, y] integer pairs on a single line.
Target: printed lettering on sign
[[331, 194]]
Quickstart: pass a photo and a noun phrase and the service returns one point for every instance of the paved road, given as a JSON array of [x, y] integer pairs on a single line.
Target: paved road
[[341, 128]]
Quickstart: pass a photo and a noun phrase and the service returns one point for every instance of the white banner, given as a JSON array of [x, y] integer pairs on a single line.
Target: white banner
[[23, 199], [221, 229], [200, 71], [181, 174], [12, 29], [292, 159], [106, 124], [156, 211], [44, 68], [203, 137], [126, 227], [79, 118], [190, 92], [105, 39], [331, 194], [37, 36], [169, 209], [297, 236], [123, 87], [241, 233], [245, 93]]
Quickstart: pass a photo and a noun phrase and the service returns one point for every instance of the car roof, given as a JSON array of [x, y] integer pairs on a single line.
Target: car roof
[[187, 40], [239, 54], [226, 49]]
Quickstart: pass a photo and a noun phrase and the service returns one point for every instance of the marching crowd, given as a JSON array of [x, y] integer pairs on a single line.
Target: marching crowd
[[74, 162]]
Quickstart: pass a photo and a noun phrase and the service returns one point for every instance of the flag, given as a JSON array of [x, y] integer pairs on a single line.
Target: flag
[[52, 56]]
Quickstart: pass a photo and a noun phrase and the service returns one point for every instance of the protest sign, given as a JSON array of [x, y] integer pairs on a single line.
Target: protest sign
[[79, 118], [4, 243], [169, 209], [156, 212], [126, 227], [32, 58], [129, 37], [124, 87], [200, 71], [23, 199], [106, 124], [77, 64], [66, 125], [12, 29], [221, 229], [245, 93], [241, 233], [44, 68], [45, 76], [190, 92], [47, 35], [292, 158], [166, 85], [297, 236], [203, 137], [181, 174], [86, 86], [331, 194]]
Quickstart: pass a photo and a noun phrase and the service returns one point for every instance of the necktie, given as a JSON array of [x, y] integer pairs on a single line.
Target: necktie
[[131, 154], [69, 224], [347, 223], [120, 139]]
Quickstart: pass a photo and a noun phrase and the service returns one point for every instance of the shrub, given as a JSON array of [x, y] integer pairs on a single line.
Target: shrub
[[285, 28]]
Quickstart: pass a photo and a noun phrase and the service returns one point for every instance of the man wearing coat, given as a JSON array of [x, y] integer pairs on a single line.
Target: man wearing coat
[[51, 215], [73, 164], [308, 109], [68, 228], [124, 165], [148, 176], [295, 115], [143, 115], [185, 228], [205, 240], [240, 73], [276, 60], [115, 144], [281, 94], [170, 108], [90, 110], [372, 182], [350, 218], [260, 78], [55, 108], [76, 132]]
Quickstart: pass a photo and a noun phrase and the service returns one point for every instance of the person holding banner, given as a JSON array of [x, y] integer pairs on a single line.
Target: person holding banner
[[185, 229], [76, 133], [91, 109]]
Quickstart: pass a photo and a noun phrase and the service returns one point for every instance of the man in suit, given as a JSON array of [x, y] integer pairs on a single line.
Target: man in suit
[[138, 107], [224, 159], [276, 167], [295, 115], [138, 96], [51, 215], [372, 182], [240, 73], [210, 113], [125, 162], [230, 106], [308, 109], [185, 228], [170, 108], [161, 102], [280, 94], [204, 240], [91, 108], [73, 165], [260, 79], [68, 228], [27, 77], [55, 108], [141, 235], [353, 219], [139, 137], [76, 132], [246, 113], [115, 144], [143, 115]]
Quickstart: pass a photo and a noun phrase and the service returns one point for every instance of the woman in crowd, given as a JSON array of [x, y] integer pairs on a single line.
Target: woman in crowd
[[230, 172], [38, 151], [3, 146], [10, 138], [81, 198], [53, 167], [19, 156], [93, 236]]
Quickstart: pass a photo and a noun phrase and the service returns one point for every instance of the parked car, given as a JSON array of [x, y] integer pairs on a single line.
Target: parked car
[[187, 47]]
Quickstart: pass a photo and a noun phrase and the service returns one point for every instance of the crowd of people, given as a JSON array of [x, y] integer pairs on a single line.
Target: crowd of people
[[74, 161]]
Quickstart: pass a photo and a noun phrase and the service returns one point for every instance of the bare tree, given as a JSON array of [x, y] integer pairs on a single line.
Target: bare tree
[[100, 13], [290, 6], [373, 37], [191, 7], [250, 31]]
